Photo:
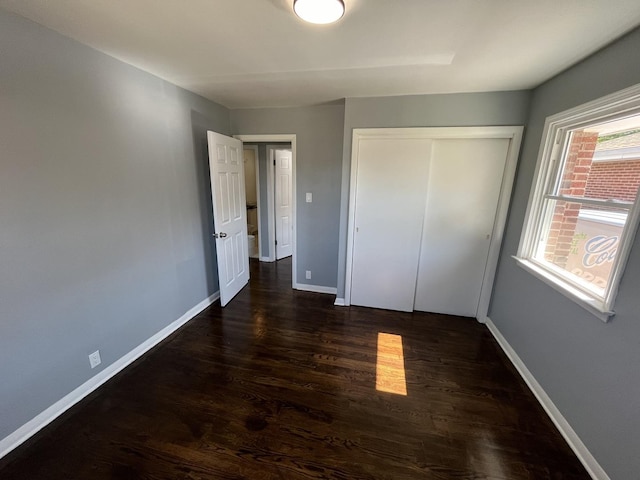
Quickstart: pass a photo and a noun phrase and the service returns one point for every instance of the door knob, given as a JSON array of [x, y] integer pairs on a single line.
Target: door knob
[[219, 235]]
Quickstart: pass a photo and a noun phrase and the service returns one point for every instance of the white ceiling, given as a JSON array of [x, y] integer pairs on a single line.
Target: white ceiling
[[256, 53]]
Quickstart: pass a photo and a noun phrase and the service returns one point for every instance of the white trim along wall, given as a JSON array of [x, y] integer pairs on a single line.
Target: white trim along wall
[[584, 455], [33, 426]]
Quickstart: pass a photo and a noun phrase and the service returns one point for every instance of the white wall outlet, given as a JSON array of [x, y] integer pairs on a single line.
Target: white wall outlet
[[94, 359], [309, 197], [307, 275]]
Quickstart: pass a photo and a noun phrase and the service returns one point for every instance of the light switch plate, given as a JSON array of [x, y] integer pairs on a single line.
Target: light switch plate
[[94, 359]]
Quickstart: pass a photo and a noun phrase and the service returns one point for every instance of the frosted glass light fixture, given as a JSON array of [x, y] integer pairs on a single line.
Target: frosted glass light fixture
[[319, 11]]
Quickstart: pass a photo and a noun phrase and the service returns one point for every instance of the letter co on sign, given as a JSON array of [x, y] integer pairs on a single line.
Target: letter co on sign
[[600, 249]]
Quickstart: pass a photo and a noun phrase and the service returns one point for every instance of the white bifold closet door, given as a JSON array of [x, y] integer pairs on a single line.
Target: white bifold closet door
[[423, 219]]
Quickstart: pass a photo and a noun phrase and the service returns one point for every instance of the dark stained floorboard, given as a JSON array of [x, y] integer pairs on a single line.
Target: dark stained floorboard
[[281, 385]]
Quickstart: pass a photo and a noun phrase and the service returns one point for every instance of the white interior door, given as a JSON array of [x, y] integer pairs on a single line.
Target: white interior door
[[465, 178], [389, 209], [283, 202], [229, 213]]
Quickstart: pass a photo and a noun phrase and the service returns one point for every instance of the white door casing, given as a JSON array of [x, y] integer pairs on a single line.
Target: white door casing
[[465, 177], [268, 139], [513, 135], [283, 203], [386, 242], [229, 213]]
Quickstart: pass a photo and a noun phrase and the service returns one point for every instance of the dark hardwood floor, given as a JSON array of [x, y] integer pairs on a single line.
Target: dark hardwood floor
[[282, 385]]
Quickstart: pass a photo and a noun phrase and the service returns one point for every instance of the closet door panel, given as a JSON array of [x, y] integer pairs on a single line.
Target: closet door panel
[[462, 196], [390, 198]]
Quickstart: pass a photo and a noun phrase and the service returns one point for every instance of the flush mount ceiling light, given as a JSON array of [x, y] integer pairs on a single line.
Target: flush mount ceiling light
[[319, 11]]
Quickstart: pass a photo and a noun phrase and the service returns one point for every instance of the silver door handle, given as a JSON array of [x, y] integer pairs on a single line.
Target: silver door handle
[[219, 235]]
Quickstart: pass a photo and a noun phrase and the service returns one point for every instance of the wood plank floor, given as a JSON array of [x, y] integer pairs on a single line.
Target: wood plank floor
[[282, 385]]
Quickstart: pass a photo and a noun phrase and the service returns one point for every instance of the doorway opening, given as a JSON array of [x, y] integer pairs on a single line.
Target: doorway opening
[[252, 189], [272, 218]]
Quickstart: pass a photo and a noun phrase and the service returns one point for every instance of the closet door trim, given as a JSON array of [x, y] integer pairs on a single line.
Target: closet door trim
[[513, 133]]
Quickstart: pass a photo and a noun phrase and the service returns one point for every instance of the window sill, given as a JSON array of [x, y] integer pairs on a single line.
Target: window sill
[[593, 305]]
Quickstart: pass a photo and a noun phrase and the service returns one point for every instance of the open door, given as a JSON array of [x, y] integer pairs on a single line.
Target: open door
[[229, 214]]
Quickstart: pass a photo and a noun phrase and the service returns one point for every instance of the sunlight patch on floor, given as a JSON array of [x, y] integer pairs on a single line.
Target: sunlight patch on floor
[[390, 375]]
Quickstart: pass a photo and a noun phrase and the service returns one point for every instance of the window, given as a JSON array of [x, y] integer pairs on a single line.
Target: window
[[583, 213]]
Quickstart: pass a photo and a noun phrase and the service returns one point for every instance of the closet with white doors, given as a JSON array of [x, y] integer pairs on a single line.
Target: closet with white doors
[[426, 216]]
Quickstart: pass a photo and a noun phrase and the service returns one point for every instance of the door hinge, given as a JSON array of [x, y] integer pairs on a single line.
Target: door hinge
[[276, 242], [274, 162]]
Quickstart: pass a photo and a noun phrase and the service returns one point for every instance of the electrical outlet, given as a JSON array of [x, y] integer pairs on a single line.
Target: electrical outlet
[[309, 197], [307, 275], [94, 359]]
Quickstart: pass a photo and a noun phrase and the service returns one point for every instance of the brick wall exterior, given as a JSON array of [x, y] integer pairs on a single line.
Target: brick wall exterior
[[582, 177], [614, 180], [574, 182]]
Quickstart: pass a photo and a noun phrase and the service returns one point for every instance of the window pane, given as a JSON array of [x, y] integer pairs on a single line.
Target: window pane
[[603, 162], [582, 241]]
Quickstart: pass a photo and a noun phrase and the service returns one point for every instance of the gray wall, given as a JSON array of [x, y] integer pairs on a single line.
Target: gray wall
[[455, 110], [105, 223], [104, 212], [319, 131], [591, 370]]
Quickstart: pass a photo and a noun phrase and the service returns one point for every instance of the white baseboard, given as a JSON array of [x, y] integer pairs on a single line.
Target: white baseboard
[[266, 259], [590, 463], [339, 302], [41, 420], [316, 288]]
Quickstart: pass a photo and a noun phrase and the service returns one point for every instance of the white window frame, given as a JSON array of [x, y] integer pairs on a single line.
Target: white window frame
[[557, 128]]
